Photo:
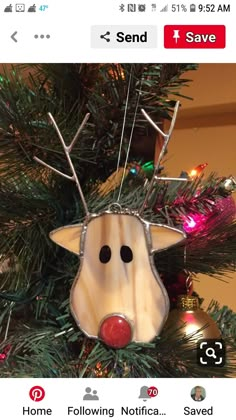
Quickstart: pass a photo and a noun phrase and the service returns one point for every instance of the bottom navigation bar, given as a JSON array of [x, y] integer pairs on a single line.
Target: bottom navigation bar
[[116, 398]]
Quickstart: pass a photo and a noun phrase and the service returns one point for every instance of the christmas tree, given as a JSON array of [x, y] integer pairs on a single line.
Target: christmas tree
[[118, 157]]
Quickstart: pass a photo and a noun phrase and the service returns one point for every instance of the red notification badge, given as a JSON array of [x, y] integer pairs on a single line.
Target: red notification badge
[[152, 391]]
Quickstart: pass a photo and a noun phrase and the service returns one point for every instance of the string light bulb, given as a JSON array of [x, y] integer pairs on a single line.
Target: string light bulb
[[195, 172], [194, 222]]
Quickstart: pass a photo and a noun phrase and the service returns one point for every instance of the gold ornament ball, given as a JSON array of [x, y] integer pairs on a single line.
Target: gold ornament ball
[[190, 318]]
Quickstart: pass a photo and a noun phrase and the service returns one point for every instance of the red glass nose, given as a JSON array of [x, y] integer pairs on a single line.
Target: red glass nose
[[115, 331]]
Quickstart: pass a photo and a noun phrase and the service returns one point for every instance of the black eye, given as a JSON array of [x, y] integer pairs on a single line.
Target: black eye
[[126, 254], [105, 254]]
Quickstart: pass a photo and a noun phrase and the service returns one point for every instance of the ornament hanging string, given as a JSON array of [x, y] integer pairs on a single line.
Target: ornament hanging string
[[188, 281], [123, 126], [130, 140]]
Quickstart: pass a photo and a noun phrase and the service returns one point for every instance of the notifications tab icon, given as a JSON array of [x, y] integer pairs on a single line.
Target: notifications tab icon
[[194, 36]]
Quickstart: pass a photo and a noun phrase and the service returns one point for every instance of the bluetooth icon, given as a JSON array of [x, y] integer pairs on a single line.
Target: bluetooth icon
[[122, 7]]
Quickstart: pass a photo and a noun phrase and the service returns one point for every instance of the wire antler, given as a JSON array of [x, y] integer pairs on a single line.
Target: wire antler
[[67, 150], [157, 166]]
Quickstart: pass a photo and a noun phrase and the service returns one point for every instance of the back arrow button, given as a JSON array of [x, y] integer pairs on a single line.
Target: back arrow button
[[13, 36]]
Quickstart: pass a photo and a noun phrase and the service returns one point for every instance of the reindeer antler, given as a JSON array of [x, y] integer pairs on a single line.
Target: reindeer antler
[[67, 150], [157, 166]]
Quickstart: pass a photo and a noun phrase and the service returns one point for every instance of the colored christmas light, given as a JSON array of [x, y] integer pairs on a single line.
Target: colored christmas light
[[194, 222], [198, 170]]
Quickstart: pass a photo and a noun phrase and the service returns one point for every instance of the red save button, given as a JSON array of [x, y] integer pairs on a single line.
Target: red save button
[[194, 36]]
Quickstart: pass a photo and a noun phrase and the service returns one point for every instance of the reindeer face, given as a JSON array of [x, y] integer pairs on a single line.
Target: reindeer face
[[117, 294], [117, 289]]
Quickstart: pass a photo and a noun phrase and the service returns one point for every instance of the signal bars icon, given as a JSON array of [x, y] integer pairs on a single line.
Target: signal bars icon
[[165, 9]]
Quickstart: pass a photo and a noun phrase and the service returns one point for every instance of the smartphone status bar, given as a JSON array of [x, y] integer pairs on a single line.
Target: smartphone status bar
[[114, 30]]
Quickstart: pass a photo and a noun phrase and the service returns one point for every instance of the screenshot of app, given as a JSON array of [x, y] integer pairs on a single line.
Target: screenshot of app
[[117, 209]]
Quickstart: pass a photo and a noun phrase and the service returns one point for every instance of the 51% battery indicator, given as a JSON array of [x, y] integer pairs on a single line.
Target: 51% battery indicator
[[179, 8]]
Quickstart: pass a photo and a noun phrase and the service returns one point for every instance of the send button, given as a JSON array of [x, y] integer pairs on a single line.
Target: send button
[[124, 36]]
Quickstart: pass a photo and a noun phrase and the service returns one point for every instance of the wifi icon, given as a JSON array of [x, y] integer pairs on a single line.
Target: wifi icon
[[165, 9]]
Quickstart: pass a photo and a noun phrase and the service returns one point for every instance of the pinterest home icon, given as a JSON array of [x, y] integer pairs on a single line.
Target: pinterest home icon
[[37, 393]]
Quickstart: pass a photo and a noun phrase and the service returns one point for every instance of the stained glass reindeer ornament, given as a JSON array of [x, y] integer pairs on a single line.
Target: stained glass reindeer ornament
[[117, 295]]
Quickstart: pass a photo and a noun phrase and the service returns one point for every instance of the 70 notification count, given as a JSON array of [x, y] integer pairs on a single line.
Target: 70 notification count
[[152, 391]]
